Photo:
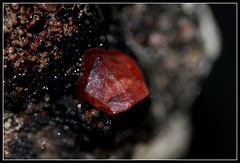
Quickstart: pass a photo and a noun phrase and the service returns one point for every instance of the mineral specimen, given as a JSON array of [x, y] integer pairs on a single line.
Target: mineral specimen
[[111, 81], [175, 46]]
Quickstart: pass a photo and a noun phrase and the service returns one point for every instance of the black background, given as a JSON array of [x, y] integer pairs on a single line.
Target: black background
[[214, 111]]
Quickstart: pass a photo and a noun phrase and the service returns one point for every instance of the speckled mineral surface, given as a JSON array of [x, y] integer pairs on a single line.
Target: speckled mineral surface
[[173, 45]]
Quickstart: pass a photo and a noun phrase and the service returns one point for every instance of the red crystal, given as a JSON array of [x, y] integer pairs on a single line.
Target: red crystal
[[111, 81]]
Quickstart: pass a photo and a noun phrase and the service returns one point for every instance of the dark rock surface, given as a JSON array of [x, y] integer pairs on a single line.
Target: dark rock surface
[[174, 46]]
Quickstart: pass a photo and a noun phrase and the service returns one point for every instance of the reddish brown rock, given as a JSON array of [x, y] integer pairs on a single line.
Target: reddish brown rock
[[48, 6], [111, 81]]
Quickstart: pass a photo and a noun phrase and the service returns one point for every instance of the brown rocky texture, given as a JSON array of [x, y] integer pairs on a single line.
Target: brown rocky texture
[[41, 48], [43, 45]]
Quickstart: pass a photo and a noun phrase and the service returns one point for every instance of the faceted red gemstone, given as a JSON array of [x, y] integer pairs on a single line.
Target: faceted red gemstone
[[111, 81]]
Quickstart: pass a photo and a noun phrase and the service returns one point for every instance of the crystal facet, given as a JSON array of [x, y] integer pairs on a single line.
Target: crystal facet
[[111, 81]]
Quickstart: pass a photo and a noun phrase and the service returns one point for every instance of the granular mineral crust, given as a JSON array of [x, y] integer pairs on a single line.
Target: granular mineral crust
[[43, 48]]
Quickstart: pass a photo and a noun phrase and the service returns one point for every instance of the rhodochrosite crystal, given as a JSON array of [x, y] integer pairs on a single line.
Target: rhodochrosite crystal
[[111, 81]]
